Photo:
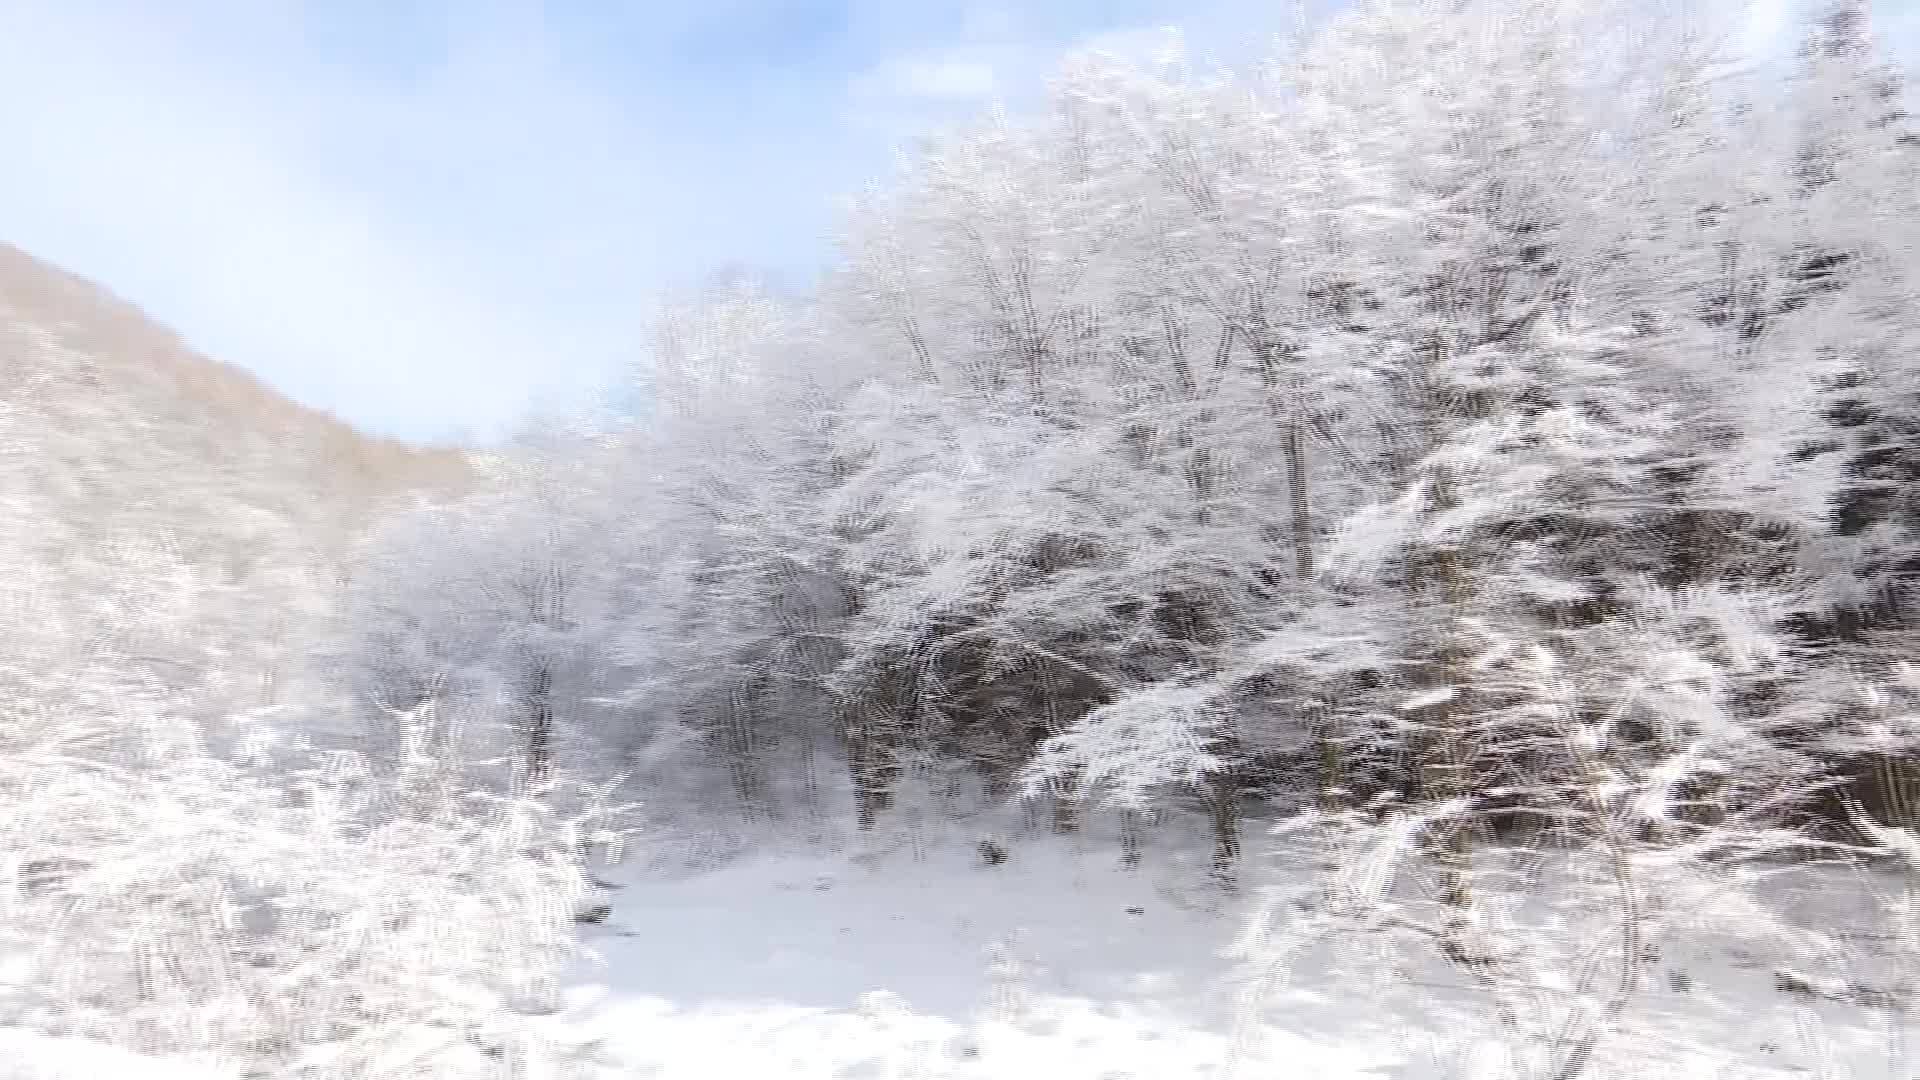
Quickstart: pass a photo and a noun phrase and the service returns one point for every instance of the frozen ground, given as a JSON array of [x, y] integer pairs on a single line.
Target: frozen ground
[[1059, 964], [798, 961], [927, 963]]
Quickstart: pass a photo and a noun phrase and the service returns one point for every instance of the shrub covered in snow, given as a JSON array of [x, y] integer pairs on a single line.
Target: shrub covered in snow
[[312, 921]]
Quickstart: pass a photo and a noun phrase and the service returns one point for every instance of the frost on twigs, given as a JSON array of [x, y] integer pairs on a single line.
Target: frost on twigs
[[1668, 807], [1158, 735], [321, 923]]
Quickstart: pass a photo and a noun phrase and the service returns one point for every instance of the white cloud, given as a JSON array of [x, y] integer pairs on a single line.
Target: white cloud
[[1145, 45], [944, 77]]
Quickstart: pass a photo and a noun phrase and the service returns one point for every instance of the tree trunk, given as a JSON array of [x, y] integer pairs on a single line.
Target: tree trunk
[[1894, 789], [1066, 815], [1333, 772], [1294, 445], [1286, 400], [1440, 588], [1223, 807], [539, 721], [869, 766], [1224, 789], [742, 751], [866, 811], [1129, 837], [1280, 367], [1066, 810]]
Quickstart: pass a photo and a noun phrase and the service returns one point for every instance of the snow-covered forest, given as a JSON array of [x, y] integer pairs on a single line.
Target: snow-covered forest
[[1434, 517]]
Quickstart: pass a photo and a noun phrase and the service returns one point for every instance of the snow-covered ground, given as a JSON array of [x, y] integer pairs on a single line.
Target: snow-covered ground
[[794, 960], [925, 963], [1059, 964]]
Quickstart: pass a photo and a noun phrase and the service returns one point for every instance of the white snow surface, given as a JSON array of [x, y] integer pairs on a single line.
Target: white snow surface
[[924, 961], [781, 959], [1059, 964]]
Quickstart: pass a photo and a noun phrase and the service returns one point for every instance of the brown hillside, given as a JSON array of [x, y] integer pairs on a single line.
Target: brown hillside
[[164, 517], [42, 305]]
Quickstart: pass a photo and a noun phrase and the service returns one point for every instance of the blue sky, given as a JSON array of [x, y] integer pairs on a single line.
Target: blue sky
[[428, 217]]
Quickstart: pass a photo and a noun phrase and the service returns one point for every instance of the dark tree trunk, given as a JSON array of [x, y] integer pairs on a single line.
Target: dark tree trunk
[[1223, 807], [1439, 584], [1130, 837], [741, 747], [868, 765], [539, 721]]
